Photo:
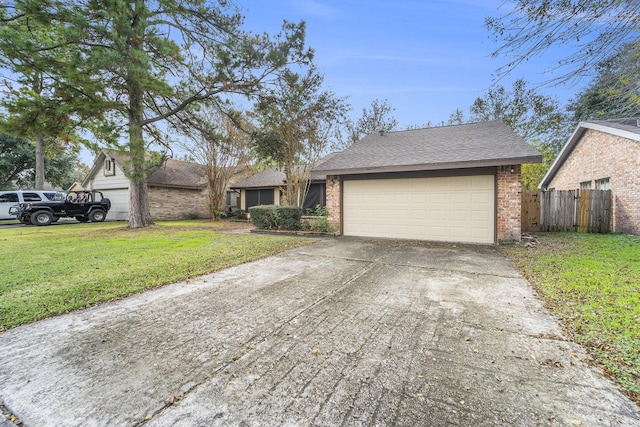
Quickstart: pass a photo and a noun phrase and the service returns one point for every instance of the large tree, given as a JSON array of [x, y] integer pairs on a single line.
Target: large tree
[[379, 117], [31, 101], [137, 63], [537, 118], [615, 91], [17, 157], [219, 141], [592, 28], [297, 122]]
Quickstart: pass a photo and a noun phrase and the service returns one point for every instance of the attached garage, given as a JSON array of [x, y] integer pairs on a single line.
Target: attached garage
[[448, 184], [119, 203], [456, 208]]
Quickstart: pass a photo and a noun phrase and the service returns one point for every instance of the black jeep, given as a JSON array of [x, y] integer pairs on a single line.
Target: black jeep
[[83, 205]]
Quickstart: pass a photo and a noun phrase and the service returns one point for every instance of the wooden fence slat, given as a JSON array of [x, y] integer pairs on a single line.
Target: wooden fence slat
[[566, 210]]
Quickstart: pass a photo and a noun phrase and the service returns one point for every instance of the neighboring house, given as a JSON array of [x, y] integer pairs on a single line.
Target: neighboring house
[[176, 190], [452, 183], [269, 186], [603, 155], [76, 186]]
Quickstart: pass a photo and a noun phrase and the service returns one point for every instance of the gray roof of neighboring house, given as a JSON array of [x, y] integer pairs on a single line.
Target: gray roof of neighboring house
[[447, 147], [272, 177], [628, 127]]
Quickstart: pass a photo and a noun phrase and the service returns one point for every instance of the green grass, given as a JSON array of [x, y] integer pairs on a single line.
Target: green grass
[[45, 271], [592, 282]]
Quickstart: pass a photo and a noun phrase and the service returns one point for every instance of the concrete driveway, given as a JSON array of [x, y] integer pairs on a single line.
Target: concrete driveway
[[343, 332]]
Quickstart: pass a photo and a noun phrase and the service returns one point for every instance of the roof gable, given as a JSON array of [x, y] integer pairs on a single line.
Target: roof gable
[[447, 147], [624, 127], [172, 173]]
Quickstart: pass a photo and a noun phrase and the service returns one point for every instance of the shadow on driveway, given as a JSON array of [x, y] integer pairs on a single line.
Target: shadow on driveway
[[341, 332]]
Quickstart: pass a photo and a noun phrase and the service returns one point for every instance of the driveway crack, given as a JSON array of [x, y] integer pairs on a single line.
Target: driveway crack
[[171, 400]]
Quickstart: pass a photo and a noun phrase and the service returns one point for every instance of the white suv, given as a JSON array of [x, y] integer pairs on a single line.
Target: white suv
[[12, 198]]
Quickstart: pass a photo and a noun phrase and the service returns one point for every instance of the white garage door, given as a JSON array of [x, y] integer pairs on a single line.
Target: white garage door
[[119, 203], [452, 209]]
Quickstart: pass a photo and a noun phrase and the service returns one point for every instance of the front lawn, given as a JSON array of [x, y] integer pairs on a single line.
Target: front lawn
[[50, 270], [592, 283]]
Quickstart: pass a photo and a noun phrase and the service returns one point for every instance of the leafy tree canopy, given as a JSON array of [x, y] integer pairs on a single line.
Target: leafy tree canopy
[[537, 118], [615, 91], [17, 159], [133, 64], [379, 117], [593, 28], [297, 123]]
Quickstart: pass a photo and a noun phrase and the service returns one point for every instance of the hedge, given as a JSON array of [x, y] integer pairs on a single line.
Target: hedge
[[276, 217]]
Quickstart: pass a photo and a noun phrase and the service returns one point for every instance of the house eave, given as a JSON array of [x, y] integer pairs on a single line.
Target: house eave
[[264, 187], [573, 141], [436, 166]]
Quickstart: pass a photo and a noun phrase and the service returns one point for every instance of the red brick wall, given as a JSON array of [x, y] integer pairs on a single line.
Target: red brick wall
[[508, 200], [601, 155], [334, 204]]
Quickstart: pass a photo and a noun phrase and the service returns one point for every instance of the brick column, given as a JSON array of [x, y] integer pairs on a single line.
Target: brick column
[[509, 200], [334, 208]]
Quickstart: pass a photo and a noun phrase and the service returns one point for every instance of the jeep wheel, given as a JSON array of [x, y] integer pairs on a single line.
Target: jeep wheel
[[25, 219], [98, 215], [41, 218], [82, 218]]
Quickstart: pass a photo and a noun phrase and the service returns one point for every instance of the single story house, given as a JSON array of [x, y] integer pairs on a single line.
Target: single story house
[[603, 155], [176, 190], [269, 186], [451, 183]]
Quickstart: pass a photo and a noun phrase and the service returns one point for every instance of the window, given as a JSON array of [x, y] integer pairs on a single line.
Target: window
[[31, 197], [586, 185], [232, 199], [109, 168], [9, 198], [603, 184]]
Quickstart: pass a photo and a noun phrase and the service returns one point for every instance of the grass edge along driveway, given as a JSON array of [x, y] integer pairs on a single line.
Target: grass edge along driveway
[[592, 283], [46, 271]]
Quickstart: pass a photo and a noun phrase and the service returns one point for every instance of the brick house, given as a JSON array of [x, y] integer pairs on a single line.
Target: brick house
[[451, 183], [176, 190], [604, 155], [268, 187]]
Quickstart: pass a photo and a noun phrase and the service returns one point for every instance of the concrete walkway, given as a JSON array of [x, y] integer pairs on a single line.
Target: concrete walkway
[[343, 332]]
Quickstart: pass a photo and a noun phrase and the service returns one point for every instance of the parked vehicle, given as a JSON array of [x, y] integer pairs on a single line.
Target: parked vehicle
[[82, 205], [12, 198]]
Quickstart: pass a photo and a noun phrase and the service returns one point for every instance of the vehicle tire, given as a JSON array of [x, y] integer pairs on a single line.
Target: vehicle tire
[[25, 220], [41, 218], [97, 215], [82, 218]]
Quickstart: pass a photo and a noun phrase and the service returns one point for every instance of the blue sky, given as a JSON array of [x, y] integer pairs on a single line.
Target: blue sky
[[427, 57]]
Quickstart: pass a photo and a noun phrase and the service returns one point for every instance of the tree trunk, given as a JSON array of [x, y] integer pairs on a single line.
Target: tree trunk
[[139, 209], [39, 162]]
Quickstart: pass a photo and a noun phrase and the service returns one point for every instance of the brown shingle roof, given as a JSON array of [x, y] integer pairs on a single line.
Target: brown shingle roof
[[272, 177], [447, 147], [172, 173]]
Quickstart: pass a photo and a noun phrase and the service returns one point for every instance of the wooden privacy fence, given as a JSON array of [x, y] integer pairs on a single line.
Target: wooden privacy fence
[[585, 211]]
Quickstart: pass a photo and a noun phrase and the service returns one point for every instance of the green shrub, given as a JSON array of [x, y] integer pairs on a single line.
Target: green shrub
[[288, 217], [263, 217], [275, 217], [321, 224]]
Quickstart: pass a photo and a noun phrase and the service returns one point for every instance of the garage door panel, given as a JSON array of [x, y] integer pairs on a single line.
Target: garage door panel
[[460, 209]]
